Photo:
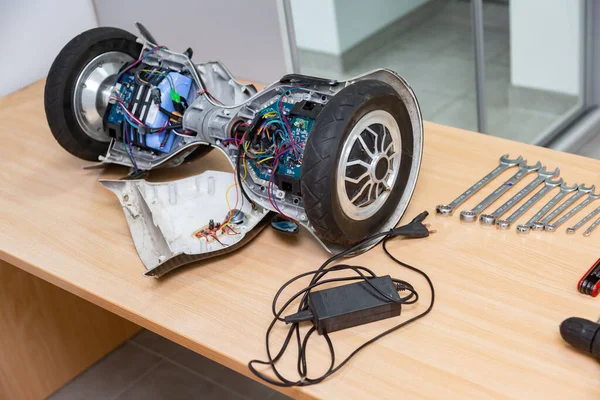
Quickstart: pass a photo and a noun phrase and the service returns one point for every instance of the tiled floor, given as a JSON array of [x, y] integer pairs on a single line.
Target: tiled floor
[[151, 367], [436, 58]]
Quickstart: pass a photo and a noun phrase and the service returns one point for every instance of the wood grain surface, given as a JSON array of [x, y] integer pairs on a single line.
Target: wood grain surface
[[49, 336], [500, 297]]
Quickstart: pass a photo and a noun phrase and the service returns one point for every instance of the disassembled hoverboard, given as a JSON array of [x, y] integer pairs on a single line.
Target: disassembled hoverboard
[[340, 159]]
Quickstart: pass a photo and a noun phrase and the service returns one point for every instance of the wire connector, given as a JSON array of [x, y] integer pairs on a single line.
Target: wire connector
[[301, 316], [175, 96], [414, 229]]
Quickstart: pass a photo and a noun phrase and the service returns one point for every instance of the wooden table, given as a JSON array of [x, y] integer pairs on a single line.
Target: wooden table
[[500, 297]]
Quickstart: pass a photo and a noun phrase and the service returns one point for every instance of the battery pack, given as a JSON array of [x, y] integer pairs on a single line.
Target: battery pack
[[156, 119]]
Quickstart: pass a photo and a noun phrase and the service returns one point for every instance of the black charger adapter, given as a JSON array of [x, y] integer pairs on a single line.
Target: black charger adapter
[[370, 298], [350, 305]]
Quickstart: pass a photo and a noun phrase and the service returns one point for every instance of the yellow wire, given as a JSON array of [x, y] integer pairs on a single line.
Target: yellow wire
[[153, 71], [235, 183], [265, 159]]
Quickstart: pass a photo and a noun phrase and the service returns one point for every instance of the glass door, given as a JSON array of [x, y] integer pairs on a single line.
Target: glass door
[[427, 42], [509, 68], [534, 65]]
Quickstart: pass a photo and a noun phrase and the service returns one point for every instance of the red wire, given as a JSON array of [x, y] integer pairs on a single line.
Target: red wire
[[204, 91], [216, 238], [287, 126]]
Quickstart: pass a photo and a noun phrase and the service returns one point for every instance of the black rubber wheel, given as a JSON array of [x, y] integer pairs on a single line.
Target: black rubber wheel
[[323, 150], [60, 86]]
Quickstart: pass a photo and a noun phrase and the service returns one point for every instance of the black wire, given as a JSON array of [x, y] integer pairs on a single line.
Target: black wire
[[302, 344], [238, 171], [169, 114]]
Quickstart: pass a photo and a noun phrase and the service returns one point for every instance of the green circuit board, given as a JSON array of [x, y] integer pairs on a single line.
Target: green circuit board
[[288, 165]]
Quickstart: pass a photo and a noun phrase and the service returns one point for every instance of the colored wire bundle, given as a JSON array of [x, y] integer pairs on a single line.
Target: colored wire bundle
[[269, 143], [153, 75], [136, 62], [133, 125]]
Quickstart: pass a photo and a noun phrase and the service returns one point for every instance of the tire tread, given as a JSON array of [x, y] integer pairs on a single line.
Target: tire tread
[[319, 163], [61, 76]]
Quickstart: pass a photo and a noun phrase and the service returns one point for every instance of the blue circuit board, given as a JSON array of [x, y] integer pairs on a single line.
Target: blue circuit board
[[137, 99], [288, 165], [126, 89]]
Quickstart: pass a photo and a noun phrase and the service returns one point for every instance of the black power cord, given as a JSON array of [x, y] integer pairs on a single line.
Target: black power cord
[[415, 229]]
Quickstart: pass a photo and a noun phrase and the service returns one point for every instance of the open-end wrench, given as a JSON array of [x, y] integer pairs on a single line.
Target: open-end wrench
[[552, 227], [583, 221], [549, 184], [564, 190], [505, 163], [543, 174], [591, 228], [581, 191], [524, 169]]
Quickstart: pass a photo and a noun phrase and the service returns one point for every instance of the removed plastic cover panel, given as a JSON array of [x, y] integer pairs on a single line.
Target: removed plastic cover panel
[[166, 219]]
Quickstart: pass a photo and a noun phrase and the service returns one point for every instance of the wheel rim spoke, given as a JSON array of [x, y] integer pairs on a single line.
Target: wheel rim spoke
[[356, 180], [369, 164], [387, 149], [393, 159], [358, 162], [361, 191], [375, 137], [377, 190], [365, 147]]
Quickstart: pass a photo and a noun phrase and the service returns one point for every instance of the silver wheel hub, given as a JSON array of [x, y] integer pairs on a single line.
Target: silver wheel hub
[[92, 91], [369, 165]]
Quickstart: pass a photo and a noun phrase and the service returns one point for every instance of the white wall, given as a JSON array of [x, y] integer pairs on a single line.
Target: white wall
[[315, 25], [334, 26], [545, 44], [244, 34], [359, 19], [33, 32]]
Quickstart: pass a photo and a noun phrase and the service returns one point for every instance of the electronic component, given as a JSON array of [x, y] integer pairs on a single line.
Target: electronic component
[[289, 166], [215, 229], [150, 102], [114, 116], [284, 225], [182, 85], [235, 217], [308, 109]]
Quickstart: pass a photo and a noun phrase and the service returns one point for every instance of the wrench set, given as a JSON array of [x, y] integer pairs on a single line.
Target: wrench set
[[550, 216]]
